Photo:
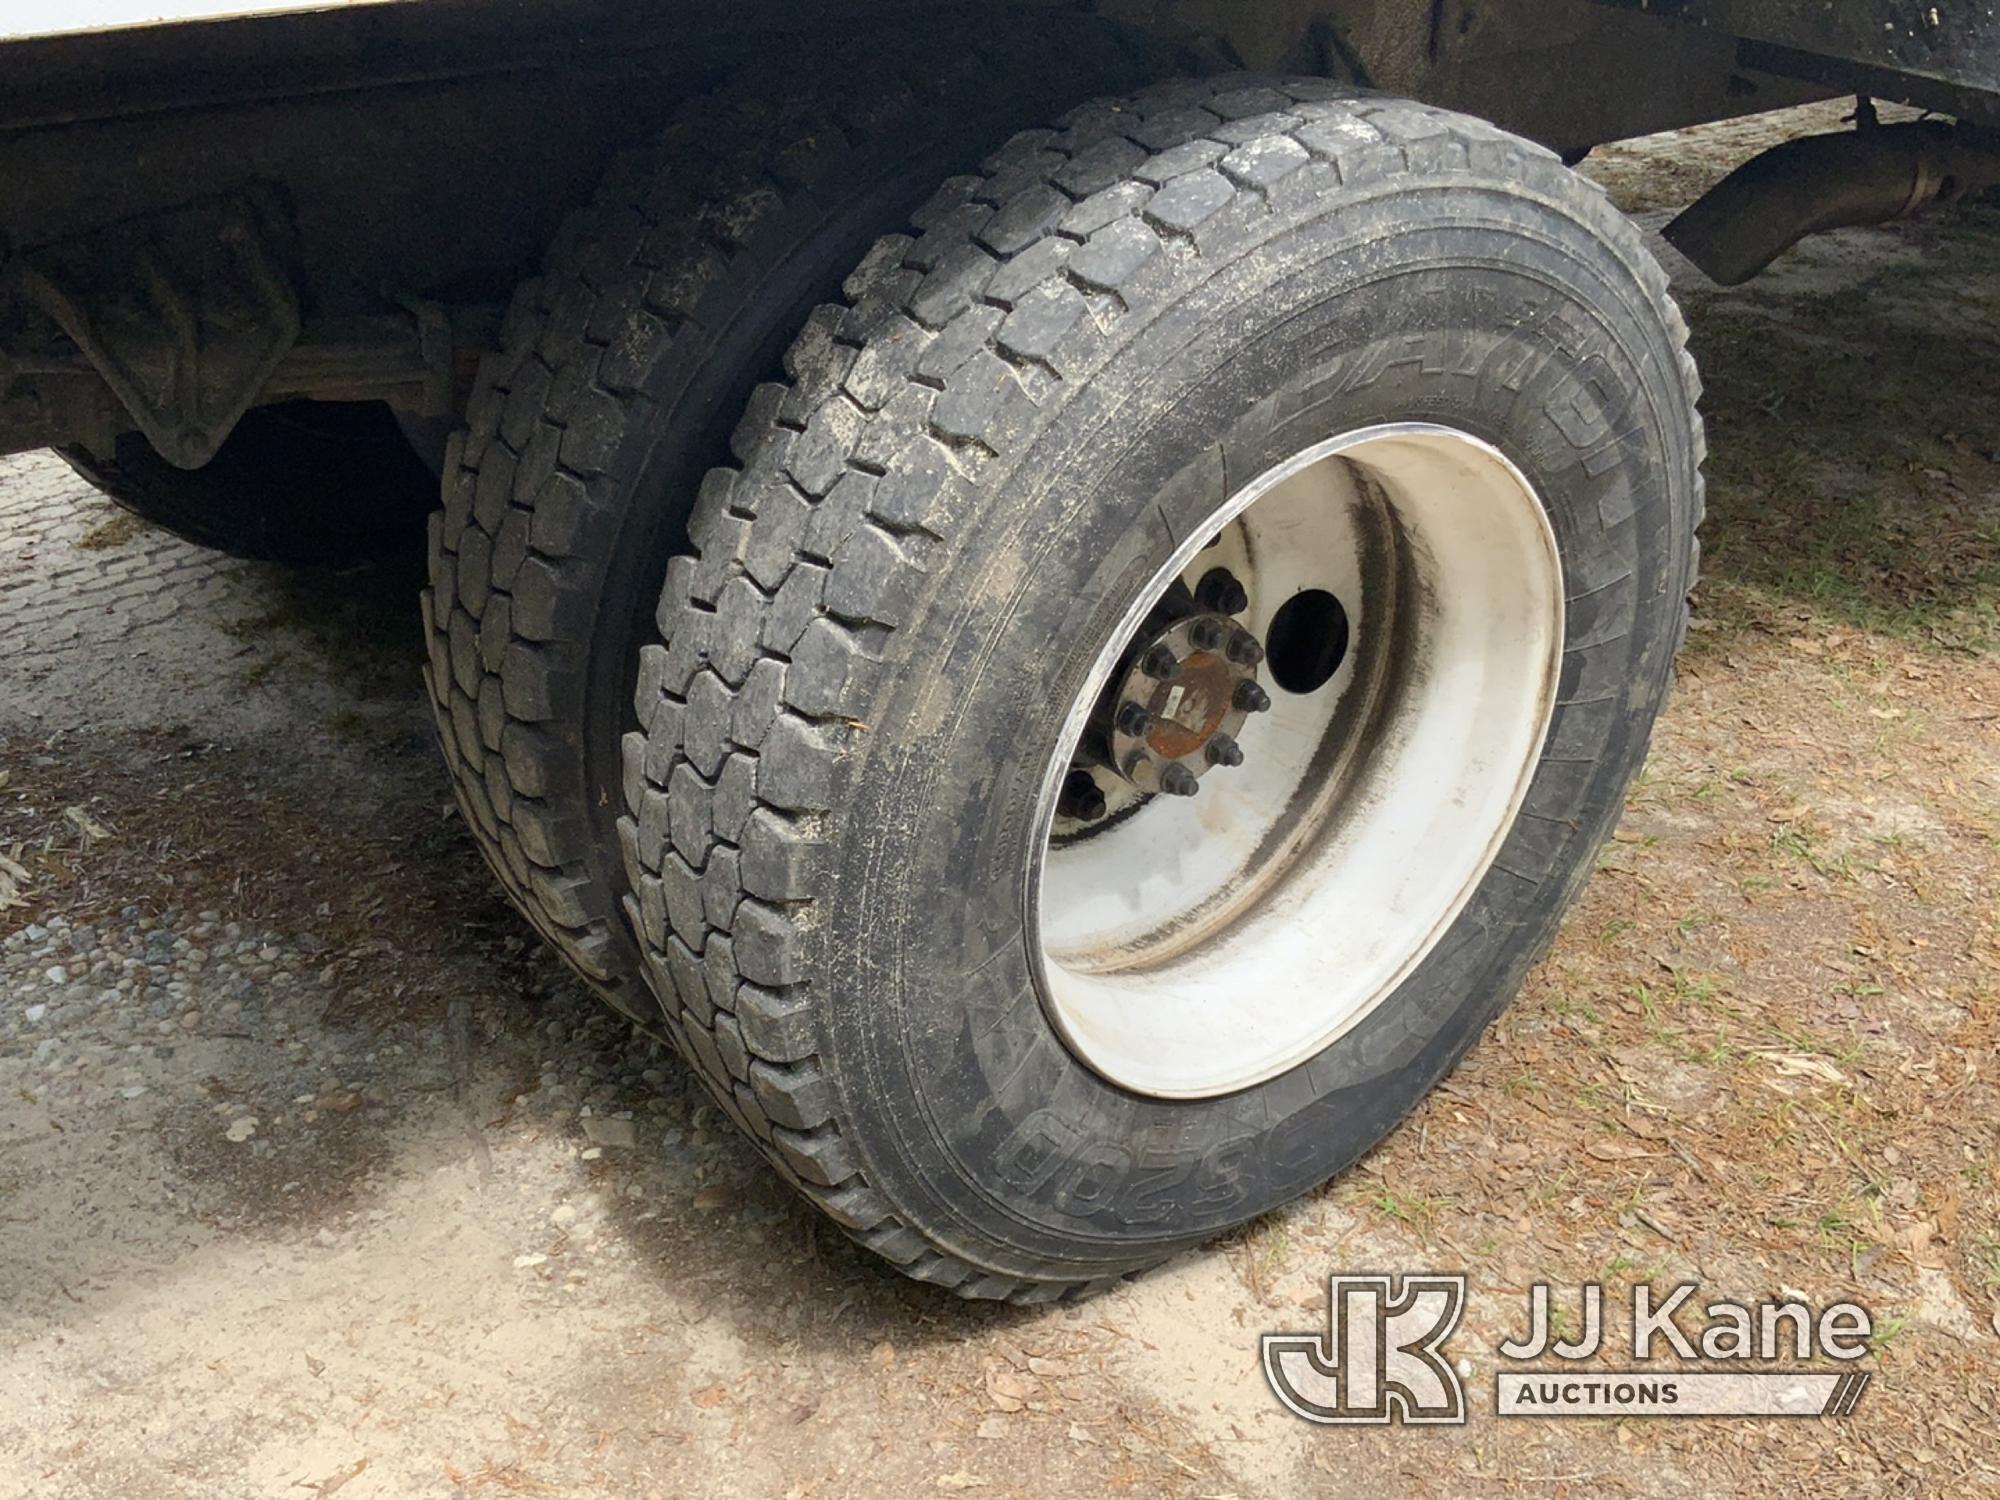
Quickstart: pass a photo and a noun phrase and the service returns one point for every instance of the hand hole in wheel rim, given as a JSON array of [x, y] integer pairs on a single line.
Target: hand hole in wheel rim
[[1193, 946], [1307, 641]]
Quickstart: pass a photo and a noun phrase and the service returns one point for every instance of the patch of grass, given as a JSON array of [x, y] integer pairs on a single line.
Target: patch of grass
[[1835, 1225], [1985, 1258], [1552, 1190], [1888, 1327], [1648, 1006], [1800, 842], [1839, 1050], [1673, 1039], [1720, 1053], [1419, 1212], [1835, 499], [1562, 1322], [1277, 1246], [1693, 989], [1604, 1098], [115, 532], [1628, 1269], [1569, 1008]]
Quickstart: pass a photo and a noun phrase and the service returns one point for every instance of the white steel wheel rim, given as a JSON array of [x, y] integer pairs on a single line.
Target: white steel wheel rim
[[1190, 947]]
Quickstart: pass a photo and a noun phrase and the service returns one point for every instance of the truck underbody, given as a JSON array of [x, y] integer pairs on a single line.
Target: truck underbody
[[336, 204]]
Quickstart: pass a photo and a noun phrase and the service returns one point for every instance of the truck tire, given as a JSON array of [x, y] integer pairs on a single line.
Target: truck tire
[[623, 371], [309, 483], [1162, 667]]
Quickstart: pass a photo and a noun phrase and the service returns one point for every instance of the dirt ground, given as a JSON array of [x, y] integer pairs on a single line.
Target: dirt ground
[[317, 1176]]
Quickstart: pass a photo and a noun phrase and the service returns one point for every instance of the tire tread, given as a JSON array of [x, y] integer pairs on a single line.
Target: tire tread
[[635, 287]]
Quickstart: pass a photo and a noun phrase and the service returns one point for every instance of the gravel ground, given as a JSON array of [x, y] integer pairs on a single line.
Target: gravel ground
[[317, 1174]]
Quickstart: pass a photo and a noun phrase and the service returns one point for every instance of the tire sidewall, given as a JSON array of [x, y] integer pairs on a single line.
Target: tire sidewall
[[1483, 306]]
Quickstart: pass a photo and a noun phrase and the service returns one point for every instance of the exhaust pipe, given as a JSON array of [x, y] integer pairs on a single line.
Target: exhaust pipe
[[1871, 175]]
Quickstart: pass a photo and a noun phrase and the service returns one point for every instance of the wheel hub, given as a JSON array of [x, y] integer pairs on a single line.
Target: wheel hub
[[1172, 712], [1177, 710]]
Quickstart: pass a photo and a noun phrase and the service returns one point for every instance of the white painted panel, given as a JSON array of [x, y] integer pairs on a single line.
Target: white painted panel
[[21, 19]]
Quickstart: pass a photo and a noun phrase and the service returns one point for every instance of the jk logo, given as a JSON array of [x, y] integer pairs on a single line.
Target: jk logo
[[1379, 1359]]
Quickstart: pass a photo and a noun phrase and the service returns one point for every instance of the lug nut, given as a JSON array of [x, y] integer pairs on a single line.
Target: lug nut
[[1205, 635], [1219, 591], [1161, 664], [1251, 698], [1133, 719], [1244, 650], [1081, 798], [1176, 780], [1224, 751]]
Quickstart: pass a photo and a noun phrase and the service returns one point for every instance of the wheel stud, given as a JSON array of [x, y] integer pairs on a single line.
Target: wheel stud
[[1133, 719], [1161, 664], [1205, 635], [1251, 698], [1082, 798], [1220, 592], [1224, 751], [1176, 780], [1244, 650]]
